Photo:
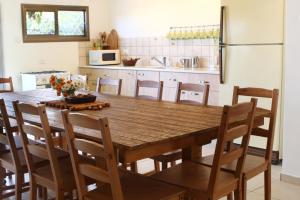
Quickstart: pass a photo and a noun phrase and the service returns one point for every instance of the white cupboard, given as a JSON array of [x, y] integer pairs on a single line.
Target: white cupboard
[[170, 79]]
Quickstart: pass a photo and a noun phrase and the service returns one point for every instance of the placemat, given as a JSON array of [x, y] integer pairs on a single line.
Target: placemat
[[97, 105]]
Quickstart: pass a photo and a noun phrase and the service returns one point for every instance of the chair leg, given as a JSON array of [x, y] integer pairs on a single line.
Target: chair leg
[[244, 188], [164, 165], [2, 176], [156, 166], [18, 185], [59, 194], [238, 195], [134, 167], [44, 193], [229, 196], [33, 190], [173, 163], [268, 183]]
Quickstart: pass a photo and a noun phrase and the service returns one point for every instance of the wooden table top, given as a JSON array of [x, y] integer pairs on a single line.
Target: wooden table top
[[134, 123]]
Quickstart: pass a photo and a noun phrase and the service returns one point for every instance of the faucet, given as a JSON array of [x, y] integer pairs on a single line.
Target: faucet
[[163, 62]]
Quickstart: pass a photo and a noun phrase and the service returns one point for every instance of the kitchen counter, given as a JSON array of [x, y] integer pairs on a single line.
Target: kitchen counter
[[157, 68]]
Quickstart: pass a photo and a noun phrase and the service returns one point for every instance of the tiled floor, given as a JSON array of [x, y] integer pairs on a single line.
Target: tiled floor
[[280, 190]]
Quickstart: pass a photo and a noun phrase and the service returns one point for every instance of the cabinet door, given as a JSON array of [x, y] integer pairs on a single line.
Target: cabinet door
[[128, 82], [151, 76]]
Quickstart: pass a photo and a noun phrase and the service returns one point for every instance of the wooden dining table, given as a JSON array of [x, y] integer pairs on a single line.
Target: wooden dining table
[[140, 128]]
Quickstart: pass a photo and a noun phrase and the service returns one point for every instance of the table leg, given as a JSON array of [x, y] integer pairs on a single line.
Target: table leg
[[192, 153]]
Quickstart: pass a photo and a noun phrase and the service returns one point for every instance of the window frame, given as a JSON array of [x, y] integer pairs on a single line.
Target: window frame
[[56, 37]]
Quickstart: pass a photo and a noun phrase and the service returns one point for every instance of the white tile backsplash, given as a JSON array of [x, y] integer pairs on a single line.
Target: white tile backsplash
[[147, 47]]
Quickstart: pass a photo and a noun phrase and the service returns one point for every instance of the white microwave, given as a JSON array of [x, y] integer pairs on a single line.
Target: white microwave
[[104, 57]]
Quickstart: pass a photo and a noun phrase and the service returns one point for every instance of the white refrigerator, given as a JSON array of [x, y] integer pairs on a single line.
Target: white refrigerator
[[252, 52]]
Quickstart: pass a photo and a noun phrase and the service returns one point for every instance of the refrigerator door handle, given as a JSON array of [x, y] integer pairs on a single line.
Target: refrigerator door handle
[[221, 45]]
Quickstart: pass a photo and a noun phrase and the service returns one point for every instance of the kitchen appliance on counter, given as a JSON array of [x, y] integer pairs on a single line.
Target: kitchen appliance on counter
[[104, 57], [190, 62]]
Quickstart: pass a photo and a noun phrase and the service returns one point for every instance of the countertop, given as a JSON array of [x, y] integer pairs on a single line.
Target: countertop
[[157, 68]]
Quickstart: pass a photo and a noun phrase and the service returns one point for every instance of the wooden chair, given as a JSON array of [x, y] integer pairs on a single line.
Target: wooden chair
[[149, 84], [172, 157], [255, 165], [109, 82], [9, 82], [12, 157], [58, 174], [190, 87], [129, 186], [204, 182]]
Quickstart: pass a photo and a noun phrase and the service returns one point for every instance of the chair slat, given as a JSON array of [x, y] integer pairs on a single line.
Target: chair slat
[[255, 92], [38, 151], [261, 132], [33, 130], [240, 109], [231, 156], [90, 147], [89, 122], [94, 172], [236, 132], [28, 109]]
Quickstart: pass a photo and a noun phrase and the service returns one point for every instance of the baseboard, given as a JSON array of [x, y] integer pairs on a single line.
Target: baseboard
[[261, 152], [290, 179]]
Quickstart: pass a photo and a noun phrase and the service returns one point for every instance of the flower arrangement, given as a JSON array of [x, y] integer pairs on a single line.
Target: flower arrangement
[[65, 87]]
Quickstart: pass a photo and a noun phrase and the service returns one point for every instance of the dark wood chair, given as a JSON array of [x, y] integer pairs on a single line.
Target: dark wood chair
[[172, 157], [190, 87], [6, 81], [57, 175], [149, 84], [255, 165], [109, 82], [12, 157], [130, 186], [204, 182]]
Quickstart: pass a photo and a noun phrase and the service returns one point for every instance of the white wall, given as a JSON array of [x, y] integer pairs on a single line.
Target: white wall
[[291, 150], [23, 57], [142, 18]]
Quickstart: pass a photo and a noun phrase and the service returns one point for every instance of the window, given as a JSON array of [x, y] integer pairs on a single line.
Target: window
[[54, 23]]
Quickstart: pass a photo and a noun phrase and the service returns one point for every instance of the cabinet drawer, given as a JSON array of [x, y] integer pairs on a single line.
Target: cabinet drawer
[[147, 75]]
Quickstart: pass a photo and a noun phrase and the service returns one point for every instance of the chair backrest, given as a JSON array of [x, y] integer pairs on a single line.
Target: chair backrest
[[7, 138], [9, 82], [261, 132], [190, 87], [46, 151], [149, 84], [82, 169], [109, 82], [236, 122]]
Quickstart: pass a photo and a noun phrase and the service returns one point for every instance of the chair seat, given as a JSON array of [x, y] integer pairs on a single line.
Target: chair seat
[[7, 162], [169, 157], [253, 165], [137, 187], [195, 178]]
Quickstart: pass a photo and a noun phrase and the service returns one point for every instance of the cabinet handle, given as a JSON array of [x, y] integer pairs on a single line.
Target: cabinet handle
[[196, 94], [174, 79], [182, 92]]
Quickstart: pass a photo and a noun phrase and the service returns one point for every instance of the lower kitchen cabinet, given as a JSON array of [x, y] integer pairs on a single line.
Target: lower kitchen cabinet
[[128, 82], [170, 79]]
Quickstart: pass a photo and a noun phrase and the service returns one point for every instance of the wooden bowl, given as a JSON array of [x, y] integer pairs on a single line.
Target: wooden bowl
[[130, 62], [81, 99]]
